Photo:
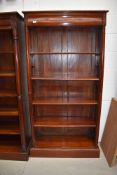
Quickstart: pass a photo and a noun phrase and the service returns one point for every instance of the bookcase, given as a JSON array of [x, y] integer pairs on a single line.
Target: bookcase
[[65, 58], [14, 122]]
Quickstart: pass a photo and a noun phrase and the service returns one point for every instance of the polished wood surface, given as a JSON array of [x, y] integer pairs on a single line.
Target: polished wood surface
[[63, 122], [11, 129], [65, 52], [65, 18], [7, 74], [8, 112], [65, 142], [10, 148], [60, 101], [13, 138], [109, 137]]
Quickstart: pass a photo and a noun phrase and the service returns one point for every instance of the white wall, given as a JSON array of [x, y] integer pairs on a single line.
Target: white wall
[[110, 75], [11, 5]]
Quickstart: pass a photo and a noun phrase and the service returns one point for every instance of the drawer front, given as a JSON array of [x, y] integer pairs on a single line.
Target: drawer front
[[64, 21]]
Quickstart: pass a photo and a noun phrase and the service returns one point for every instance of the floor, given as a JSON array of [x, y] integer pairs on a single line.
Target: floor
[[58, 166]]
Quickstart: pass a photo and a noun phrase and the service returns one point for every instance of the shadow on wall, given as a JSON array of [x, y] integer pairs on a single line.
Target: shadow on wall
[[1, 1], [8, 1]]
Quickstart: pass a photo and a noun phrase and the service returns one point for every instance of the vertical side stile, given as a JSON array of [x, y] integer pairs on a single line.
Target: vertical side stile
[[101, 73], [18, 84], [29, 82]]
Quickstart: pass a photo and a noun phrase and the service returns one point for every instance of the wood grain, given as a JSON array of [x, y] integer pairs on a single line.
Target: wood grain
[[13, 138], [109, 138], [65, 68]]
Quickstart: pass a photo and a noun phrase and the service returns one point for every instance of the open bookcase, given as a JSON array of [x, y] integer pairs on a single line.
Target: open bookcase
[[65, 54], [14, 127]]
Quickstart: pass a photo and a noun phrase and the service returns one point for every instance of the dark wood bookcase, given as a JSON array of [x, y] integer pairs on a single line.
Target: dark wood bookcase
[[65, 58], [14, 122]]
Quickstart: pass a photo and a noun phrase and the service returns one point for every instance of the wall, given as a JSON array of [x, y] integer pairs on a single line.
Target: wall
[[110, 73]]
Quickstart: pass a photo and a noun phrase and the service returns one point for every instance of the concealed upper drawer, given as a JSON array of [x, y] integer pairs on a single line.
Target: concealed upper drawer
[[65, 21]]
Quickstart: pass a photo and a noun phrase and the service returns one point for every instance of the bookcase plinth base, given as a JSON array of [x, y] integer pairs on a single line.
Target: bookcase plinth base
[[75, 153]]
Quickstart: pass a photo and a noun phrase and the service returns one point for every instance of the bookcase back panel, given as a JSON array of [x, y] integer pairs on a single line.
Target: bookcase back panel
[[64, 39], [6, 41], [82, 90], [65, 131], [7, 62], [8, 102], [10, 142], [82, 65], [9, 120], [65, 66], [64, 111], [64, 91], [7, 83], [9, 123], [49, 65]]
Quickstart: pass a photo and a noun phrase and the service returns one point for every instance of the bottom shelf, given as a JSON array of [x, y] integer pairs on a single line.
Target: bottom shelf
[[68, 146], [10, 149], [65, 142]]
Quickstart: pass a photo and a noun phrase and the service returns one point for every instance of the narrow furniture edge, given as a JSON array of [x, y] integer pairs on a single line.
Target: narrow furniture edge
[[12, 13], [64, 11]]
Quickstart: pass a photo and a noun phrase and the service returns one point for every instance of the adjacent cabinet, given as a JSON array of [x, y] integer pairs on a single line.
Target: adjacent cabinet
[[65, 59], [14, 122]]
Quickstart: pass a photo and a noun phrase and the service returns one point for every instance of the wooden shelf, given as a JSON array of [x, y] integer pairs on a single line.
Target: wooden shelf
[[9, 112], [6, 28], [64, 101], [7, 74], [64, 122], [6, 52], [8, 94], [65, 79], [46, 53], [11, 148], [65, 142], [10, 145], [9, 128]]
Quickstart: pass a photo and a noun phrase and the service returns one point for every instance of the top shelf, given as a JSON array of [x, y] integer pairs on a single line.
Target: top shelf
[[44, 53]]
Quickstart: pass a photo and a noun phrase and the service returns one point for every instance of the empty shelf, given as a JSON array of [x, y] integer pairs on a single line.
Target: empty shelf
[[7, 74], [9, 112], [9, 128], [60, 101], [46, 53], [10, 144], [65, 79], [6, 52], [8, 94], [65, 142], [64, 122]]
